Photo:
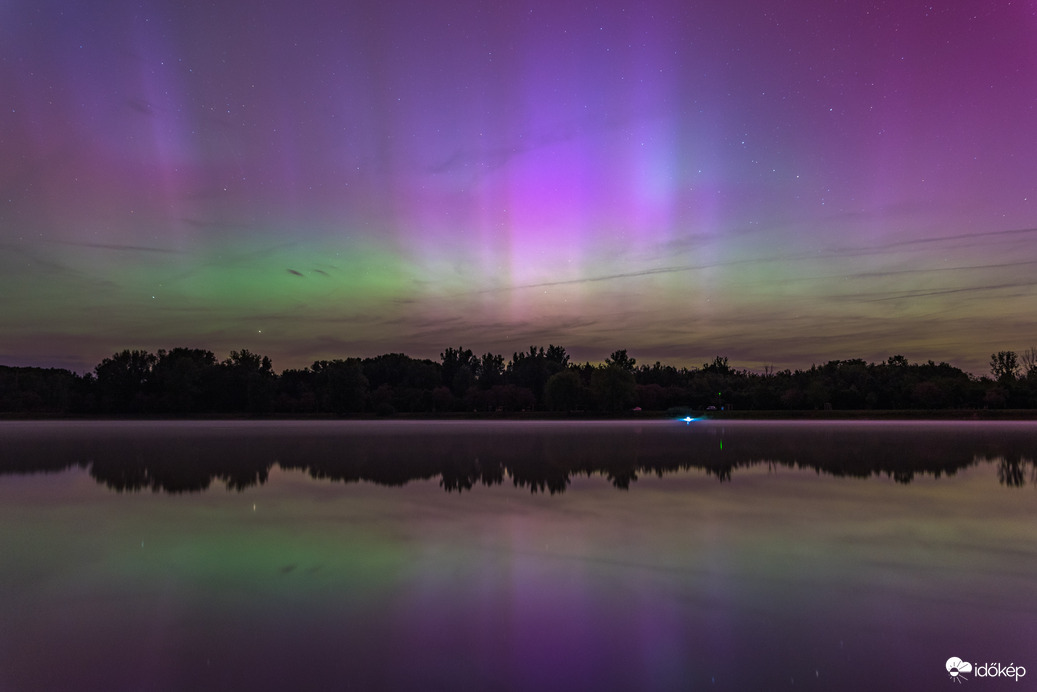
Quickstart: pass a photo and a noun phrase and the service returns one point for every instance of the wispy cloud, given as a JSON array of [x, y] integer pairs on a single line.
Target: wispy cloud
[[923, 293], [118, 247]]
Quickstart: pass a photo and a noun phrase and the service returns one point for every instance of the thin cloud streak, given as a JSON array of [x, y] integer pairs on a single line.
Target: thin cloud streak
[[783, 259]]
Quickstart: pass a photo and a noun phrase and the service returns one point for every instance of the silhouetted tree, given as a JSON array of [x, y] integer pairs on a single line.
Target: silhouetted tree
[[248, 382], [491, 370], [719, 366], [122, 381], [459, 369], [1028, 360], [40, 390], [651, 397], [182, 380], [557, 358], [296, 392], [897, 361], [1004, 366], [509, 397], [663, 375], [613, 387], [562, 391], [401, 371], [340, 385], [621, 360], [189, 380], [531, 370]]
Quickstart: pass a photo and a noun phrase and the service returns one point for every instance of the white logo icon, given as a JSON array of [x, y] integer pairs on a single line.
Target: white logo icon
[[956, 666]]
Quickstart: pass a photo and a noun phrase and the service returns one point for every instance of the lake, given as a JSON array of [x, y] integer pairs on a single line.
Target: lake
[[605, 555]]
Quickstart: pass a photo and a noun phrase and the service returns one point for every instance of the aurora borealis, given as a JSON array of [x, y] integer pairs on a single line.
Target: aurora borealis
[[779, 183]]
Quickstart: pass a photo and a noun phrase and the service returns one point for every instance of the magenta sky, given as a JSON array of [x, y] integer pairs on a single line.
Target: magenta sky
[[781, 183]]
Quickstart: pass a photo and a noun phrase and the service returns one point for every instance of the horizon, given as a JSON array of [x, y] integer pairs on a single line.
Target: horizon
[[573, 360], [81, 366], [782, 186]]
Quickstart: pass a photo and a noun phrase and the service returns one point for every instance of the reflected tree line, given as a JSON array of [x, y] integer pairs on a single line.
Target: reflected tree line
[[191, 381], [543, 460]]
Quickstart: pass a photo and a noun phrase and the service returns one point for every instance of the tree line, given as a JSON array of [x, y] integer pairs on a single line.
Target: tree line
[[183, 381]]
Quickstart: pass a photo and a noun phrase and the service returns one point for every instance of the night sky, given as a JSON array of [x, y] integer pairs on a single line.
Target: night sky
[[782, 183]]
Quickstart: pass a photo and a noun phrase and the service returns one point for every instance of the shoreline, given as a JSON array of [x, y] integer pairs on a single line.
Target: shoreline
[[575, 416]]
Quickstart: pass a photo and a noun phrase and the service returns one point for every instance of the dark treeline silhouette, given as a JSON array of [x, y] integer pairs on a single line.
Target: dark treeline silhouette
[[539, 456], [184, 381]]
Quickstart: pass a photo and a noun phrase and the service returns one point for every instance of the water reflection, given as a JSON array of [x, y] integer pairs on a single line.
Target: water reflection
[[786, 577], [544, 457]]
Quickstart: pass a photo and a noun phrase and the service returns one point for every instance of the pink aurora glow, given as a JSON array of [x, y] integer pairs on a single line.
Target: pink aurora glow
[[781, 185]]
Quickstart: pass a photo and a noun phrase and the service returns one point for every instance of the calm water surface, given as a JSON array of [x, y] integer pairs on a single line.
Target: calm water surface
[[517, 555]]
